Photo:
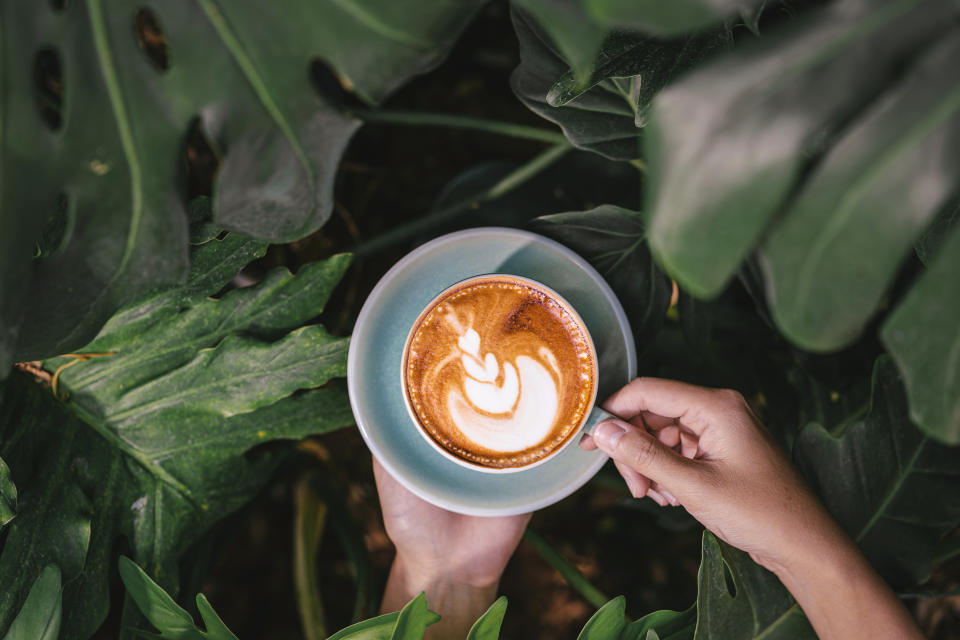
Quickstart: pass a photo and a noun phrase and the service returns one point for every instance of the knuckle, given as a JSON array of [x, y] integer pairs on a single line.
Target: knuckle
[[731, 398]]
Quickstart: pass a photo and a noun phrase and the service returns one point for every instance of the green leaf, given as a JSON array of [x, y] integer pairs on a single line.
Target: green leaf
[[216, 629], [167, 616], [836, 250], [665, 625], [8, 496], [879, 479], [603, 110], [379, 628], [103, 99], [576, 37], [929, 243], [728, 143], [738, 599], [487, 626], [607, 623], [157, 472], [613, 240], [414, 619], [308, 525], [39, 618], [923, 337], [677, 16]]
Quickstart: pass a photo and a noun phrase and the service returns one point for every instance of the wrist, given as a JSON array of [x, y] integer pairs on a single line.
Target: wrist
[[418, 576]]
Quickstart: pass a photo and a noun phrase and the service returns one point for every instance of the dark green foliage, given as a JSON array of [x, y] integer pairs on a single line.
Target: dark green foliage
[[151, 443], [740, 600], [894, 489], [39, 618], [94, 165], [613, 240], [8, 495]]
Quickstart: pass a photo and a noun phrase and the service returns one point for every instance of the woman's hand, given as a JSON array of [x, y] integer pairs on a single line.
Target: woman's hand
[[456, 559], [706, 450]]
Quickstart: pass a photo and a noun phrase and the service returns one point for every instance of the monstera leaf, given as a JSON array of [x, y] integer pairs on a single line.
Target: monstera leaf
[[754, 605], [610, 623], [728, 143], [877, 479], [667, 17], [149, 444], [103, 98], [613, 240], [8, 496], [600, 106], [40, 617]]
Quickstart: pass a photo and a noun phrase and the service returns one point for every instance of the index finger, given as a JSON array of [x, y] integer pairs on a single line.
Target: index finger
[[693, 406]]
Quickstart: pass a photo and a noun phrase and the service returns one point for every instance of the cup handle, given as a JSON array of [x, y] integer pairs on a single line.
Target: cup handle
[[597, 415]]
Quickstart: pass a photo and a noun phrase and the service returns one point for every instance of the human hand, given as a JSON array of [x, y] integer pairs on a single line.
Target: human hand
[[457, 560], [706, 450]]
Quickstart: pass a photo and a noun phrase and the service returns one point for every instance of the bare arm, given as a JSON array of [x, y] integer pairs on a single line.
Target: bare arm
[[705, 449]]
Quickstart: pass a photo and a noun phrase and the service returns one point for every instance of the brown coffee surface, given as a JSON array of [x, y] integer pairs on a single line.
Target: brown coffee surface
[[499, 372]]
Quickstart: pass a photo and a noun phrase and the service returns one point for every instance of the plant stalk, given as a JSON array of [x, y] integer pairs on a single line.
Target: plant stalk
[[431, 119], [503, 186], [569, 572]]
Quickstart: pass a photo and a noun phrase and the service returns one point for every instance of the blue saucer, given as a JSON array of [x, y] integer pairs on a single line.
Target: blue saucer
[[376, 348]]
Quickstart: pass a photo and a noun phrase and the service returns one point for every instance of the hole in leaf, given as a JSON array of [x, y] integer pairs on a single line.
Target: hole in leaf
[[331, 87], [151, 39], [59, 5], [200, 161], [48, 85], [728, 580], [57, 230]]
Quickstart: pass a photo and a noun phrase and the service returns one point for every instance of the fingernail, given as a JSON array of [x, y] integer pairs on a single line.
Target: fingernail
[[669, 496], [656, 497], [608, 434]]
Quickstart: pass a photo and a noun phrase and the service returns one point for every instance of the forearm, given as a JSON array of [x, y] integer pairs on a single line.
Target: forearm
[[458, 603], [844, 598]]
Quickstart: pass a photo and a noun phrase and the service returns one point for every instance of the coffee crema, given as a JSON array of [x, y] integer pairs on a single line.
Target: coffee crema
[[499, 372]]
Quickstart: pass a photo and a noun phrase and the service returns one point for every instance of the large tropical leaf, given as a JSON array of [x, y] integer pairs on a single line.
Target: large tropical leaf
[[728, 143], [613, 240], [102, 96], [833, 255], [677, 16], [738, 599], [879, 478], [601, 107], [923, 336], [149, 445], [610, 623]]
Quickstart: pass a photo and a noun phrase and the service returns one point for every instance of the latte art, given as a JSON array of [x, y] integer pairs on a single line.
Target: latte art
[[499, 373]]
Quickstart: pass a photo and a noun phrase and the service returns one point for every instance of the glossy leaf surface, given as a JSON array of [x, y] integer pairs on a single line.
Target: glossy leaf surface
[[666, 18], [728, 143], [161, 469], [923, 336], [39, 618], [8, 496], [487, 626]]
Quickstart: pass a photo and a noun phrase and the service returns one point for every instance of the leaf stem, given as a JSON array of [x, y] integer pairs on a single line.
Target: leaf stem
[[433, 119], [503, 186], [569, 572]]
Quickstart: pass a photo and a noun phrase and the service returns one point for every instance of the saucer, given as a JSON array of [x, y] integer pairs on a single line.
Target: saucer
[[376, 349]]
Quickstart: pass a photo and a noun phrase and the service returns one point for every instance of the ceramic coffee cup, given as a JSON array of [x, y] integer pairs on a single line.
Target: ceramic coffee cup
[[541, 403]]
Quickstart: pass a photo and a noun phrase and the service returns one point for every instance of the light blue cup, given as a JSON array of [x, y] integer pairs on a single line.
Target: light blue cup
[[376, 351]]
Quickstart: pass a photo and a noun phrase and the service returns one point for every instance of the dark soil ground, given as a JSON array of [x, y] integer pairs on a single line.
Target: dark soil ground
[[390, 175]]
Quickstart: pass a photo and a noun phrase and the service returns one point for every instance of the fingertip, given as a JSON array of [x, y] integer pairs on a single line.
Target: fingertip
[[656, 497], [587, 443]]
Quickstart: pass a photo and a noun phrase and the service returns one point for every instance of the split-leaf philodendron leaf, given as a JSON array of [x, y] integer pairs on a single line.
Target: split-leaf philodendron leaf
[[93, 210], [728, 143], [137, 451], [667, 18], [877, 479], [8, 496], [41, 614]]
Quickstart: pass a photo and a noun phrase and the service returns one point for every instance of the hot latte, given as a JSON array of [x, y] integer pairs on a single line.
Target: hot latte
[[499, 372]]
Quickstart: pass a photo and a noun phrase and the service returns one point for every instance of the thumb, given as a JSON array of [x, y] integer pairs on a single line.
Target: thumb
[[645, 454]]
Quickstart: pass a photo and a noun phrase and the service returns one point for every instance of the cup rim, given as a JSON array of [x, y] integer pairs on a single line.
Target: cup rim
[[573, 432]]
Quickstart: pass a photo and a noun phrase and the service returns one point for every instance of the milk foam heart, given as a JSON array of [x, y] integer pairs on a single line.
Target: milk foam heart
[[499, 372]]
